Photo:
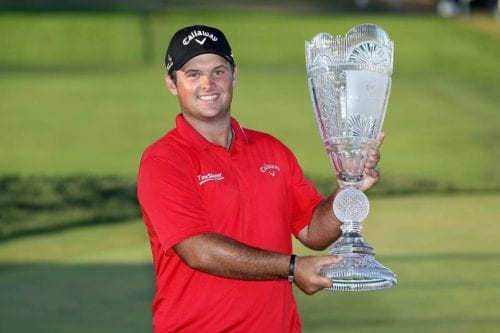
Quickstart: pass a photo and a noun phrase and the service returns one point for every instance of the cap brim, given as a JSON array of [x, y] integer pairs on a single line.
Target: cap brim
[[178, 65]]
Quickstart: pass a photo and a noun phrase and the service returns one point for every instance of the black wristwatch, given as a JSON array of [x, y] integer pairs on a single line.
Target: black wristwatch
[[291, 269]]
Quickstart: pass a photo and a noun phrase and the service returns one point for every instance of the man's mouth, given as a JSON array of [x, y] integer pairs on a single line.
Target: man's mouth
[[208, 98]]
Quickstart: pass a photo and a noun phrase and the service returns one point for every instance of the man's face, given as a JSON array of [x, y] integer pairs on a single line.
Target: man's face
[[204, 87]]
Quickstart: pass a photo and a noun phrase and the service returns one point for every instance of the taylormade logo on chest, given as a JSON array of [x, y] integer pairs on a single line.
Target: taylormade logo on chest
[[202, 179], [199, 36]]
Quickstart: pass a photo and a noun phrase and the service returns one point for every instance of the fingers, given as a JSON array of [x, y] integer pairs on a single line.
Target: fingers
[[380, 140], [372, 171], [374, 153], [373, 158], [326, 282], [371, 165], [308, 276], [328, 260]]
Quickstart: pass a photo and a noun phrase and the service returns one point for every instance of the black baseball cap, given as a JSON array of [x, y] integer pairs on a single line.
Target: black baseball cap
[[194, 40]]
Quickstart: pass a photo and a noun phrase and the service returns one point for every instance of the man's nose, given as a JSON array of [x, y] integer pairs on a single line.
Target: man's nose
[[206, 81]]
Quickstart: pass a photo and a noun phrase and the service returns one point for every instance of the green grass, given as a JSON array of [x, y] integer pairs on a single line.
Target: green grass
[[61, 41], [88, 117], [99, 279], [77, 98]]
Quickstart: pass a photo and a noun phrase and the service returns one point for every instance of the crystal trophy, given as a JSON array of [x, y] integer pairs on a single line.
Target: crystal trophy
[[349, 82]]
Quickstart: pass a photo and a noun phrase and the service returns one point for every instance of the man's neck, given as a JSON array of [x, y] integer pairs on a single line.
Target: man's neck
[[216, 131]]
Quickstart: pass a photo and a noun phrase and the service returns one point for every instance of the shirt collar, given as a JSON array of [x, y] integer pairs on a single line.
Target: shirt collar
[[187, 132]]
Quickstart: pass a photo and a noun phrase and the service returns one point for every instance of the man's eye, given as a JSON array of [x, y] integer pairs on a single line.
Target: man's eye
[[193, 75], [219, 72]]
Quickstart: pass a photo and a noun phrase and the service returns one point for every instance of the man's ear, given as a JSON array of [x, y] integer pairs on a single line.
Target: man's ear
[[171, 86], [235, 75]]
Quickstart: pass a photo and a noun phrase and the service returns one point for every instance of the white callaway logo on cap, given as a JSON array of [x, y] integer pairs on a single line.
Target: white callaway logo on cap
[[198, 33]]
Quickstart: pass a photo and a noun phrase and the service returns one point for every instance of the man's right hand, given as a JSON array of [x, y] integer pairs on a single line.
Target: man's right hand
[[307, 273]]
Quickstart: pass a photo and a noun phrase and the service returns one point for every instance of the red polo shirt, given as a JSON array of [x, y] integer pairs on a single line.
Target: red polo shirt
[[256, 193]]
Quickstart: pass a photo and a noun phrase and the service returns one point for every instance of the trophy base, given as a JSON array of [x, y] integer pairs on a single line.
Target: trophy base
[[358, 272]]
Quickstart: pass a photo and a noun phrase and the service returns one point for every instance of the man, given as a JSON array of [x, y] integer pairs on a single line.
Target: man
[[221, 202]]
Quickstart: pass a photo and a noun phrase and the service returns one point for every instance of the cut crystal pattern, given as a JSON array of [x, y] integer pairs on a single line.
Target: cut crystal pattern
[[369, 53], [349, 82], [362, 126], [358, 272], [351, 205]]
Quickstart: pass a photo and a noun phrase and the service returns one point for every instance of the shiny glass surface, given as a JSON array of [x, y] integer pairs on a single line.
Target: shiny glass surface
[[349, 79]]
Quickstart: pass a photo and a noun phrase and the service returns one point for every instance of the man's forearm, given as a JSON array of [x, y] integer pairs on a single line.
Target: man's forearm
[[223, 256], [324, 227], [219, 255]]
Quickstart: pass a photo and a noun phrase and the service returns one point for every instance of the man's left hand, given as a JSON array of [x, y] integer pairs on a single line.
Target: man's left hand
[[372, 172]]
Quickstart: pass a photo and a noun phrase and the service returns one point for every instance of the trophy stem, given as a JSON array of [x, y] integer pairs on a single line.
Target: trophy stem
[[351, 242], [351, 227], [358, 270]]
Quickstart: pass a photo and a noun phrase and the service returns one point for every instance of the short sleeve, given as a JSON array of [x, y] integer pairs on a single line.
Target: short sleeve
[[305, 196], [169, 197]]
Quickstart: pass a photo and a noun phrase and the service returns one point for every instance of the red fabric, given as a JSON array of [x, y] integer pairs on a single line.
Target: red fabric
[[256, 194]]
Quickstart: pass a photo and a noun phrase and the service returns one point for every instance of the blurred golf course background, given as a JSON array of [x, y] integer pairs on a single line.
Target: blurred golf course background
[[82, 95]]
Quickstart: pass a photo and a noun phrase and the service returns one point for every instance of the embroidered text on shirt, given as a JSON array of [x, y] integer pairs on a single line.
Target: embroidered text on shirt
[[202, 179]]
